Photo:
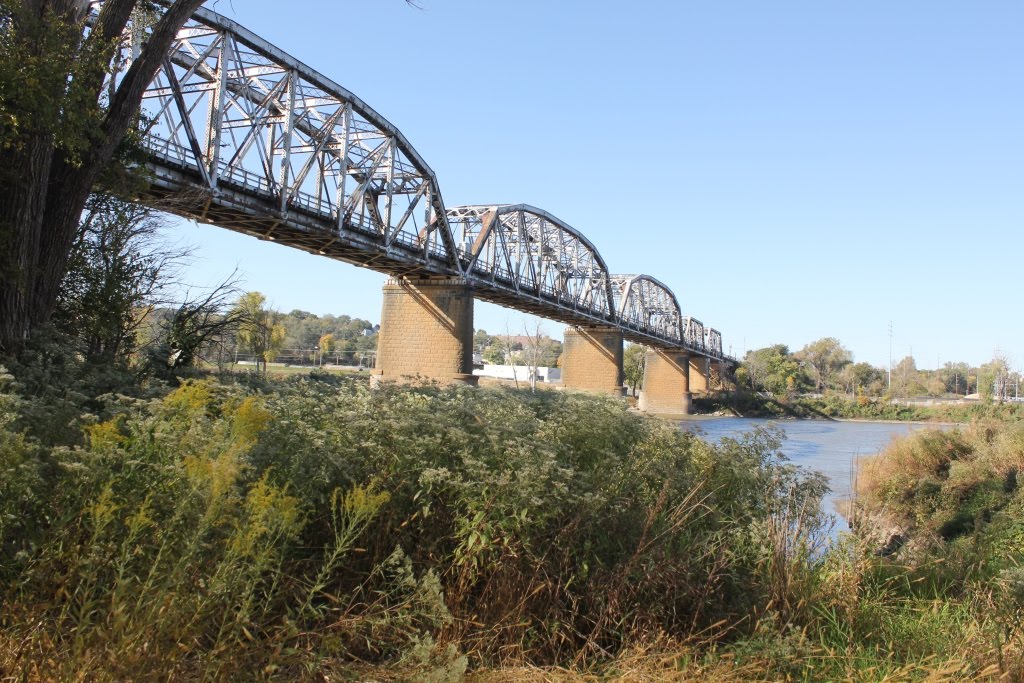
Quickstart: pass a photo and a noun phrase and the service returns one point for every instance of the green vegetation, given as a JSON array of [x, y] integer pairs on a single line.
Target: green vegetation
[[338, 339], [64, 128], [259, 330], [862, 408], [954, 492], [244, 528], [634, 360], [825, 366], [114, 311], [279, 528], [955, 502], [772, 369]]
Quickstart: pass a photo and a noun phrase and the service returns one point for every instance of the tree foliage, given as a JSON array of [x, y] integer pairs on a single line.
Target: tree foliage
[[482, 340], [199, 329], [304, 332], [533, 349], [260, 330], [825, 358], [325, 344], [863, 378], [61, 127], [772, 369], [633, 363], [119, 271], [996, 381], [906, 381]]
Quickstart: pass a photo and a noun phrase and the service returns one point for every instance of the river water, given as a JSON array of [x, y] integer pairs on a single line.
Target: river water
[[829, 447]]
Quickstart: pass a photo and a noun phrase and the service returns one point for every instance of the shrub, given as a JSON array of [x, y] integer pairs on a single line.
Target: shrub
[[261, 528]]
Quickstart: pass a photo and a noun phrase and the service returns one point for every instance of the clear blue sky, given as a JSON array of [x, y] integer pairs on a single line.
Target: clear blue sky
[[792, 170]]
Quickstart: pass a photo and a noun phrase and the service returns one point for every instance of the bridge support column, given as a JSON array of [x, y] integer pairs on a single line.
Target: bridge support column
[[592, 359], [720, 380], [725, 380], [666, 383], [426, 330], [700, 374]]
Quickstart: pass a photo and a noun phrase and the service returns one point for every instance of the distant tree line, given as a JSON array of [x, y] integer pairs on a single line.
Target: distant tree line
[[256, 333], [826, 366]]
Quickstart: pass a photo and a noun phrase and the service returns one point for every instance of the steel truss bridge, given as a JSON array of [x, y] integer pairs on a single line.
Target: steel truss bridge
[[244, 136]]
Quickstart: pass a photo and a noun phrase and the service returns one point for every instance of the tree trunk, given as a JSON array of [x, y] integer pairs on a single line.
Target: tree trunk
[[44, 192], [21, 213]]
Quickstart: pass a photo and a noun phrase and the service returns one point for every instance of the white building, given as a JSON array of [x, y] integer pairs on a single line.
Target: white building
[[521, 373]]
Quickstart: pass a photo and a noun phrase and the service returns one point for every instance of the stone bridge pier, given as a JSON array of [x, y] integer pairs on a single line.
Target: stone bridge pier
[[426, 331], [700, 374], [666, 383], [592, 359]]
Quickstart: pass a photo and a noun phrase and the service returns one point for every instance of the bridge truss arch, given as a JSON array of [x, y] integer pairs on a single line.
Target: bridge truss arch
[[646, 305], [245, 136], [713, 343], [273, 148], [693, 333], [526, 249]]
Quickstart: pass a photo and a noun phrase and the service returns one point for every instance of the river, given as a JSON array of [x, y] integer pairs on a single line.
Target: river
[[828, 447]]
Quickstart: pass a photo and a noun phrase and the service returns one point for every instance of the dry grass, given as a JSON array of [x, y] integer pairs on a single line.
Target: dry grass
[[680, 667], [922, 456]]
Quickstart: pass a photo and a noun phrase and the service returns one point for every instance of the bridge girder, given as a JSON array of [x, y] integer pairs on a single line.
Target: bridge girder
[[243, 135]]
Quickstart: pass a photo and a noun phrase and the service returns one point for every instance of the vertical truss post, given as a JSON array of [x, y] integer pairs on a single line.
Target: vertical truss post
[[390, 189], [289, 132], [346, 128], [215, 116]]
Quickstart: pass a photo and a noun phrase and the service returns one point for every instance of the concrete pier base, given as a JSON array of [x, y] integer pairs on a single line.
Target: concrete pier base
[[592, 360], [700, 374], [666, 383], [426, 332]]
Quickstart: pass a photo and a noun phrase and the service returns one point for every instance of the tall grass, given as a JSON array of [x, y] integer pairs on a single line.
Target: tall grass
[[242, 529], [264, 529], [956, 583]]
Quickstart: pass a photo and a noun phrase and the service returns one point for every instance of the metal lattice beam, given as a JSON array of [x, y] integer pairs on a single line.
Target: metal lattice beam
[[245, 136], [282, 152], [533, 254], [647, 305]]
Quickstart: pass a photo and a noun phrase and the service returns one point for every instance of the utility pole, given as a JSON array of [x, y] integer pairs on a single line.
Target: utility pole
[[906, 385], [890, 356]]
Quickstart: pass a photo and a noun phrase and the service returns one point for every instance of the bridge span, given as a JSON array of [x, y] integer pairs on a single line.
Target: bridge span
[[241, 135]]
